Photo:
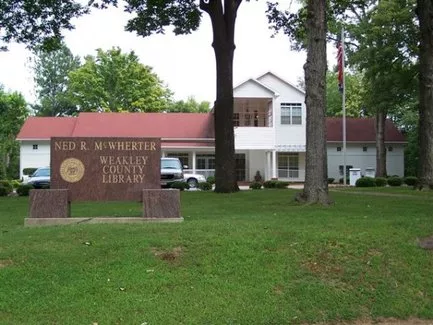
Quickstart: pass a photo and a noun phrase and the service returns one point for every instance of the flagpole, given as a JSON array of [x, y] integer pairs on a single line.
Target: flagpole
[[344, 108]]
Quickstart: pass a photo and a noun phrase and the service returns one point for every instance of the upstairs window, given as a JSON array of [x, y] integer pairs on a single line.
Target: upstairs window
[[35, 147], [291, 113]]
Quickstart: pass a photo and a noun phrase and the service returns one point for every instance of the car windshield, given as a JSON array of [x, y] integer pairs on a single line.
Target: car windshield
[[41, 172], [170, 164]]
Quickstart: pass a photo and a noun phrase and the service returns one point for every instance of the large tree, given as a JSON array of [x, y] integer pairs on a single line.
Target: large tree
[[115, 81], [316, 172], [425, 15], [13, 112], [308, 29], [51, 71], [36, 22], [380, 40], [185, 15]]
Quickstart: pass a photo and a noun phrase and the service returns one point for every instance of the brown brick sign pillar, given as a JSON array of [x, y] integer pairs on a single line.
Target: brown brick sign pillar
[[48, 203], [164, 203]]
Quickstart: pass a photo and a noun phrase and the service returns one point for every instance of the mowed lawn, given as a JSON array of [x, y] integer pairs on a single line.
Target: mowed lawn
[[253, 257]]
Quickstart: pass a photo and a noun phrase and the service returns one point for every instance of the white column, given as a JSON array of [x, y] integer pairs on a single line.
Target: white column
[[193, 161], [274, 164], [163, 154], [268, 166]]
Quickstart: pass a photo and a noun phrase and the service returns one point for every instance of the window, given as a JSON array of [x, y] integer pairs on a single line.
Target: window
[[390, 149], [291, 113], [338, 148], [364, 149], [340, 169], [236, 119], [35, 147], [288, 165], [183, 157]]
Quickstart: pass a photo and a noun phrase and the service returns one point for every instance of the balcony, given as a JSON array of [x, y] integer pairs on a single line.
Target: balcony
[[254, 119]]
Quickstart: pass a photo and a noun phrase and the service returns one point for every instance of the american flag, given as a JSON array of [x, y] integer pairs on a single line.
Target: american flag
[[340, 63]]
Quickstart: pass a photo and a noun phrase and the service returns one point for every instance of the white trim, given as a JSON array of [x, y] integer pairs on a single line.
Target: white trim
[[276, 94], [283, 80]]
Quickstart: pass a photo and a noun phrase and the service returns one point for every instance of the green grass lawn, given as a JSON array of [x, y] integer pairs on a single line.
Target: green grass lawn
[[254, 257]]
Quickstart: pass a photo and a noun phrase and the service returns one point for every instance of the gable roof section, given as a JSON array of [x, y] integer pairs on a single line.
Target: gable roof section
[[257, 82], [42, 128], [157, 125], [360, 130], [282, 80], [181, 126]]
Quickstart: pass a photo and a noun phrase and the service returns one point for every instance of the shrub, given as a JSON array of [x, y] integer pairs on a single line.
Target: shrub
[[24, 189], [3, 191], [411, 180], [211, 180], [395, 181], [275, 184], [380, 181], [269, 184], [205, 186], [7, 185], [29, 171], [365, 182], [331, 180], [258, 178], [15, 183], [281, 184], [256, 185], [180, 185]]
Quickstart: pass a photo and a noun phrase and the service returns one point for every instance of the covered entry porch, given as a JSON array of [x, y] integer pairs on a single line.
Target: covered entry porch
[[271, 164]]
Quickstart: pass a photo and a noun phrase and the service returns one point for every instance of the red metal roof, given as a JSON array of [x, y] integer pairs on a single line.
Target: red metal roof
[[185, 127], [159, 125], [42, 128], [360, 130]]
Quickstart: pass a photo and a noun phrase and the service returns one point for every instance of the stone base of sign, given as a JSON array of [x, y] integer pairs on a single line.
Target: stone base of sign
[[49, 203], [35, 222], [161, 203], [52, 207]]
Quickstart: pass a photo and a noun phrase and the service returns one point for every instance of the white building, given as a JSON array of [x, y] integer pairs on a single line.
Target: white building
[[269, 121]]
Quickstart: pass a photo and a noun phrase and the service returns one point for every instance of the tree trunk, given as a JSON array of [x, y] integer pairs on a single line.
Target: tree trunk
[[223, 26], [380, 144], [425, 15], [316, 174]]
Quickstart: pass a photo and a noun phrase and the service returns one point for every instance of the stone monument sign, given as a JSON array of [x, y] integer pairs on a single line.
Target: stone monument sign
[[105, 169]]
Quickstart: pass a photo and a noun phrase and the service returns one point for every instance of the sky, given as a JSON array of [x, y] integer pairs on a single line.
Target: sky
[[186, 63]]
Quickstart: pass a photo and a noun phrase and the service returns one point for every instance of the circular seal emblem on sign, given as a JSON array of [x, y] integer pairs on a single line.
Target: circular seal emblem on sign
[[72, 170]]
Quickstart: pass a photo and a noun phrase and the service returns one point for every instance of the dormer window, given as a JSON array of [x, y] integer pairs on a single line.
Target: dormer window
[[291, 113]]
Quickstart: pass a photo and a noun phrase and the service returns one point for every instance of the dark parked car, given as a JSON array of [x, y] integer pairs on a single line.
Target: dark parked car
[[40, 178]]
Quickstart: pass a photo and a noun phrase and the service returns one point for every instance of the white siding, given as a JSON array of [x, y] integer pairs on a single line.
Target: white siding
[[251, 89], [289, 134], [356, 157], [34, 158], [254, 138], [286, 134], [256, 162], [280, 86]]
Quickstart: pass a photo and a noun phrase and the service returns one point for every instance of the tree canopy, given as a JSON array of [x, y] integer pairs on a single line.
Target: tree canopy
[[37, 23], [51, 75], [13, 112], [115, 81]]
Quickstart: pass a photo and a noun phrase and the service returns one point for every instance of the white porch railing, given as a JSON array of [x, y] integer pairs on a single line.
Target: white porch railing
[[291, 174]]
